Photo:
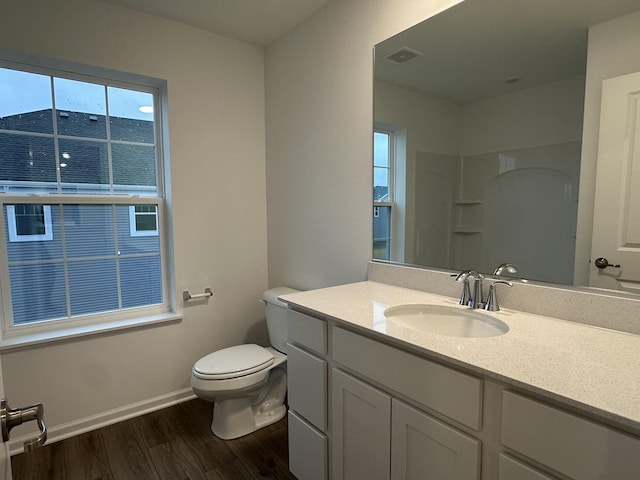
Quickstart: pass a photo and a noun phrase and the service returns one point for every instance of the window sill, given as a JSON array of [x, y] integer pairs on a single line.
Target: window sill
[[36, 339]]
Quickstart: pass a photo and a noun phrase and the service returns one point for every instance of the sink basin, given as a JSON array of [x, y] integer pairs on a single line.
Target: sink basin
[[443, 320]]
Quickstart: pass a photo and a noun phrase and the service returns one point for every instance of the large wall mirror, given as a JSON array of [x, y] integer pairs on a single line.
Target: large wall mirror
[[487, 136]]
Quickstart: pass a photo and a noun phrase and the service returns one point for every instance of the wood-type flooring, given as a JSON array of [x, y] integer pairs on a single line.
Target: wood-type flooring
[[175, 443]]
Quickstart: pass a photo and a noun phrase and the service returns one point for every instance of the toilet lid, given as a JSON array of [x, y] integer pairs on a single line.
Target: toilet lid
[[233, 362]]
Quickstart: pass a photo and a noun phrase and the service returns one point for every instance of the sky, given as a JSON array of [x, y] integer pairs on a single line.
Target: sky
[[22, 92], [380, 158]]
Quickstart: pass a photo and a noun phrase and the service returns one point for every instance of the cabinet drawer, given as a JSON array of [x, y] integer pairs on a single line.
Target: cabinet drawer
[[511, 469], [307, 384], [307, 450], [445, 390], [574, 446], [307, 331]]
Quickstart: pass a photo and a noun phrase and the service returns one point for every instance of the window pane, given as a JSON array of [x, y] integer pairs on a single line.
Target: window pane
[[30, 219], [27, 159], [134, 165], [146, 223], [81, 108], [93, 286], [381, 232], [89, 232], [140, 279], [37, 292], [380, 184], [131, 115], [44, 250], [380, 149], [128, 242], [84, 162], [26, 101]]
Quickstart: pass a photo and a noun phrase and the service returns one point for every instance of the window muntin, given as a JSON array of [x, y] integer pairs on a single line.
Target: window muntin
[[99, 159]]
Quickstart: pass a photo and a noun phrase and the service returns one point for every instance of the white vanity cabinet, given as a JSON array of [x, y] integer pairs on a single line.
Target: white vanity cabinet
[[364, 407], [377, 436], [307, 396]]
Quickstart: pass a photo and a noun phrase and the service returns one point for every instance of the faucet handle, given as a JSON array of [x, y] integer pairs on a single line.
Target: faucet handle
[[492, 299]]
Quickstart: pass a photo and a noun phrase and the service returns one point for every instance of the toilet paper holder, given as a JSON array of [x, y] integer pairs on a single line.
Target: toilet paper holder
[[186, 296]]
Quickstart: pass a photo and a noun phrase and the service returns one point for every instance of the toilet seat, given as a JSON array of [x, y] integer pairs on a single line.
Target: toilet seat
[[233, 362]]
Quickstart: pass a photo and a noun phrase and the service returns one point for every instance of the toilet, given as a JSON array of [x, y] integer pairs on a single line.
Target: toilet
[[247, 383]]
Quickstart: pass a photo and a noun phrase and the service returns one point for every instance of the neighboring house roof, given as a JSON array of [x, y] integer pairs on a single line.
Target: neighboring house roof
[[31, 158], [380, 193]]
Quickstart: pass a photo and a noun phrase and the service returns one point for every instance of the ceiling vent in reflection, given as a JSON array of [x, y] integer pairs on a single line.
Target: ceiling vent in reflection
[[402, 55]]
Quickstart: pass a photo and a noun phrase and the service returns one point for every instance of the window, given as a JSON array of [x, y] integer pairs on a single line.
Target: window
[[143, 220], [81, 177], [29, 223], [382, 193]]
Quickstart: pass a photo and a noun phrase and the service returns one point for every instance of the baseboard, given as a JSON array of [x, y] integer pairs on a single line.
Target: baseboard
[[77, 427]]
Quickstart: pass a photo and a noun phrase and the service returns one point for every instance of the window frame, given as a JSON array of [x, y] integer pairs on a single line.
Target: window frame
[[13, 335]]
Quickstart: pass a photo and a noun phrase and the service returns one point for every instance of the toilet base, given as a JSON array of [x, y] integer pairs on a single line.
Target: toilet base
[[237, 417]]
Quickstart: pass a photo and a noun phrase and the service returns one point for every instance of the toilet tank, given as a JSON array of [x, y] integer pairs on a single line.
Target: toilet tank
[[276, 313]]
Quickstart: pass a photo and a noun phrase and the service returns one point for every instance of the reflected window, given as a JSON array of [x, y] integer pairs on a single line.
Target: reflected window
[[382, 193]]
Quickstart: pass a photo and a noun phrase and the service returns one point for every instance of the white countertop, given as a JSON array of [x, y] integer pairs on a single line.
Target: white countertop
[[593, 369]]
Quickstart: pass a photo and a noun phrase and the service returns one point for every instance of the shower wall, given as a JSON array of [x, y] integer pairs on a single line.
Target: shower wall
[[510, 193]]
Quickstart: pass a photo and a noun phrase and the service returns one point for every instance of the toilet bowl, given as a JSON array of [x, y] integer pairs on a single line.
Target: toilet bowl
[[247, 383]]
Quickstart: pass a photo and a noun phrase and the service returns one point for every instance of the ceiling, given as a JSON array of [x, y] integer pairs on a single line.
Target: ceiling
[[259, 22], [469, 51]]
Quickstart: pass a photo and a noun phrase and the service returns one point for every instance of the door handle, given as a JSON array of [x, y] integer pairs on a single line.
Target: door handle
[[12, 417], [604, 263]]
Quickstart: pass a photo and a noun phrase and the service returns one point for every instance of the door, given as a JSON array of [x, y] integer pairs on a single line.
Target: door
[[616, 218]]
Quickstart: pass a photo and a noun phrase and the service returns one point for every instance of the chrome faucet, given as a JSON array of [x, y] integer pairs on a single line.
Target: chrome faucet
[[505, 267], [466, 298], [492, 299]]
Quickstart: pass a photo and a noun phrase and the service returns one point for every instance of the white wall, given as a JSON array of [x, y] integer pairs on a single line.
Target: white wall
[[216, 116], [548, 114], [319, 84], [613, 51]]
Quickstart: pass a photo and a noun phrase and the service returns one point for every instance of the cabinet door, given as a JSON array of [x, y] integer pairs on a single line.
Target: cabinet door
[[361, 430], [425, 448]]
